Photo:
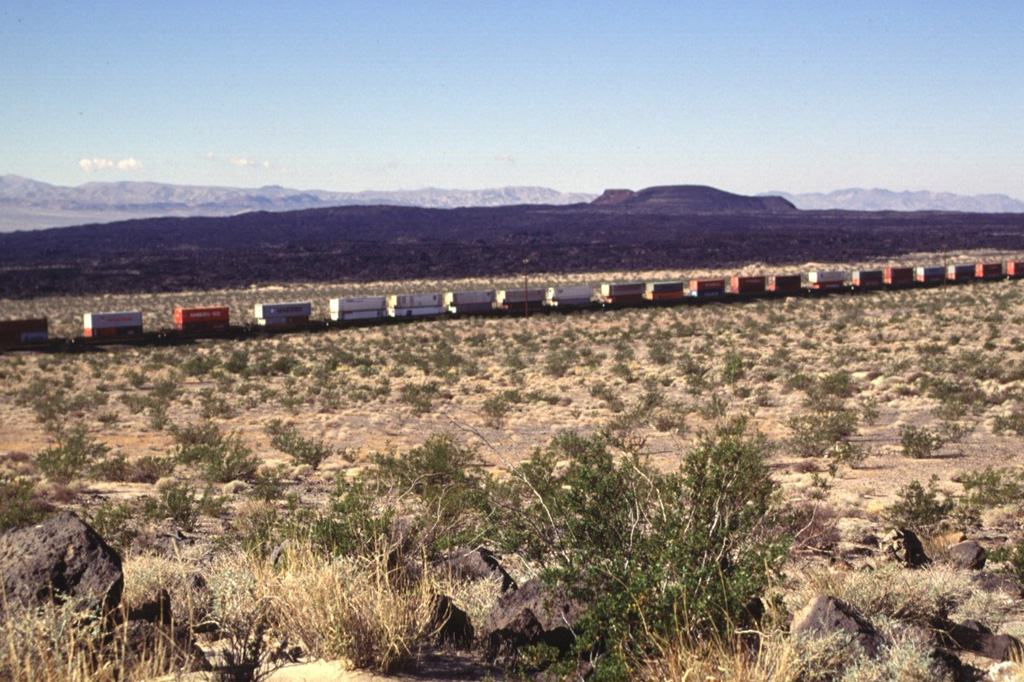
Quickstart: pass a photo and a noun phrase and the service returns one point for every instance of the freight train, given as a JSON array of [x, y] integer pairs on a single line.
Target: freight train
[[121, 327]]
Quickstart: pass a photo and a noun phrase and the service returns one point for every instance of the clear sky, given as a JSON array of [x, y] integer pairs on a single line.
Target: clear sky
[[577, 96]]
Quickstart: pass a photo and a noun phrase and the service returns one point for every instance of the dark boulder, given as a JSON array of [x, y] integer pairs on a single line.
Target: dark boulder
[[968, 554], [824, 616], [151, 639], [972, 636], [478, 564], [533, 614], [451, 624], [58, 560], [903, 546]]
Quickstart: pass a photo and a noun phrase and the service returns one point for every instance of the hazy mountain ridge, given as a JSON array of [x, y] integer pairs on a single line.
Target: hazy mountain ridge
[[30, 204], [678, 228], [855, 199]]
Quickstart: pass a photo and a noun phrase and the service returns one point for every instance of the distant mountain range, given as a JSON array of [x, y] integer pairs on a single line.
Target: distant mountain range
[[673, 228], [886, 200], [28, 204]]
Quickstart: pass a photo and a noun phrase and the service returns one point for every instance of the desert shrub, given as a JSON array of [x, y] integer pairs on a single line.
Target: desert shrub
[[286, 438], [646, 550], [826, 433], [269, 484], [221, 458], [1013, 423], [420, 396], [116, 523], [71, 456], [992, 487], [495, 408], [19, 505], [919, 442], [920, 508], [230, 460], [734, 369], [354, 523], [179, 502], [446, 477]]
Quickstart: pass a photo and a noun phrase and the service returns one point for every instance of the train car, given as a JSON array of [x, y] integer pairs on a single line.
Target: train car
[[205, 319], [826, 279], [960, 273], [14, 332], [623, 292], [358, 308], [664, 291], [570, 296], [415, 305], [898, 277], [703, 288], [1015, 269], [469, 302], [747, 285], [785, 284], [107, 325], [929, 274], [294, 314], [988, 270], [867, 279], [520, 299]]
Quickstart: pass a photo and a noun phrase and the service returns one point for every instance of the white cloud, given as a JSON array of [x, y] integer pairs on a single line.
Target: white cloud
[[100, 163], [89, 165], [242, 161]]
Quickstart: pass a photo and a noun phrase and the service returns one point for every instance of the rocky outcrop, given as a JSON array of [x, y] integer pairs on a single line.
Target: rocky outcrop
[[478, 564], [968, 554], [904, 547], [61, 559], [824, 616], [972, 636], [533, 614]]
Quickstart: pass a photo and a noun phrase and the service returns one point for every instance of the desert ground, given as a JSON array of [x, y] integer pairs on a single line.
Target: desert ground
[[859, 395]]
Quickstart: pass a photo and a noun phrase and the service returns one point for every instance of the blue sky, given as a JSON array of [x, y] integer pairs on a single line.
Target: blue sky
[[577, 96]]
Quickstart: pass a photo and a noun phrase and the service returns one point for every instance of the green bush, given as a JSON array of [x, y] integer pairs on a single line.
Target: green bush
[[446, 477], [919, 442], [286, 438], [71, 456], [992, 487], [653, 554], [19, 506], [920, 508]]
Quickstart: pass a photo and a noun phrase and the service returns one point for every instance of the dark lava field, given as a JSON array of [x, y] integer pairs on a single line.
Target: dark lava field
[[678, 227]]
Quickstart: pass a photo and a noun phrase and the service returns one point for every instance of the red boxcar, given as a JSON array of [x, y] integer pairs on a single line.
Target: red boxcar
[[201, 319], [1015, 268], [707, 287], [23, 331], [747, 285], [785, 284], [899, 276], [988, 270]]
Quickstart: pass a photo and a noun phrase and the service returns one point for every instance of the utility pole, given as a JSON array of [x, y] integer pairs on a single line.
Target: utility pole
[[526, 289]]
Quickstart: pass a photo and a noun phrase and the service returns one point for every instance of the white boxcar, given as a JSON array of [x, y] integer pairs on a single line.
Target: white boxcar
[[272, 310], [419, 311], [570, 295], [480, 301], [507, 297], [414, 301], [362, 308], [826, 277], [131, 318]]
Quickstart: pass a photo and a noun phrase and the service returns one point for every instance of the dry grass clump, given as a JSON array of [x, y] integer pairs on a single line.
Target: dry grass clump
[[357, 608]]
